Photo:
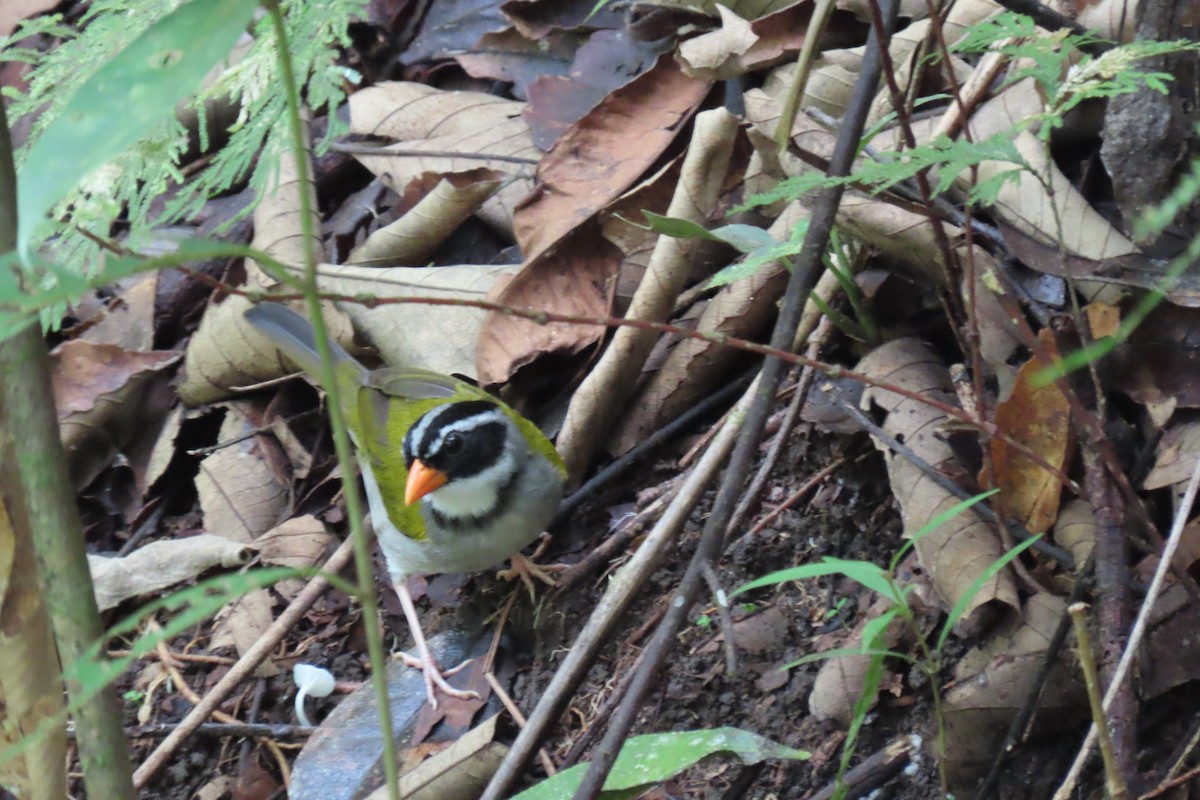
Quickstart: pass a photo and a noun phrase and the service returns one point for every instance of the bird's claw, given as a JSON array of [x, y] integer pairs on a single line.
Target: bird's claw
[[436, 678], [526, 570]]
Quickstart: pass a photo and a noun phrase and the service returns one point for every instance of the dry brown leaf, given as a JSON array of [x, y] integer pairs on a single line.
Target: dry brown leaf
[[241, 494], [718, 54], [164, 446], [619, 224], [159, 565], [459, 772], [993, 682], [278, 216], [835, 71], [439, 338], [218, 788], [830, 83], [574, 278], [446, 125], [603, 154], [907, 48], [960, 550], [241, 624], [1178, 451], [224, 353], [129, 322], [1170, 656], [414, 236], [597, 403], [300, 542], [101, 392], [512, 57], [1111, 19], [1075, 529], [1025, 204], [1039, 417], [1103, 319], [750, 9]]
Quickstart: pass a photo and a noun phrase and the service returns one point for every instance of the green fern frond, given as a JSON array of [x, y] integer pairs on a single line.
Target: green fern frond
[[127, 188]]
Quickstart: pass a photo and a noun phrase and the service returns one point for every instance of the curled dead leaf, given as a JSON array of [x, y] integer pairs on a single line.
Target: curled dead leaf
[[161, 564], [961, 549]]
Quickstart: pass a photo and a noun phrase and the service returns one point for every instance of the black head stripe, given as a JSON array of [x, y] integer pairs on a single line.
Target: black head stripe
[[443, 417], [480, 434]]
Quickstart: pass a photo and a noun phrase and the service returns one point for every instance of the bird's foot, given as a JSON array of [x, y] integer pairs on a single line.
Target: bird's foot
[[436, 678], [526, 570]]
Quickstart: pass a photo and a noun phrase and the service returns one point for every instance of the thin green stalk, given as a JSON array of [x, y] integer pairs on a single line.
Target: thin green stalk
[[1112, 773], [930, 663], [341, 440], [808, 53]]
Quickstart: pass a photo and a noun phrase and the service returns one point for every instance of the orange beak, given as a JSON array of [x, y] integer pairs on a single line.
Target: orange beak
[[422, 480]]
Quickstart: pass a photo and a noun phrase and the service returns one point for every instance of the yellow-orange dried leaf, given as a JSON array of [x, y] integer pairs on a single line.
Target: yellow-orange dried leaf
[[1103, 319], [1038, 417]]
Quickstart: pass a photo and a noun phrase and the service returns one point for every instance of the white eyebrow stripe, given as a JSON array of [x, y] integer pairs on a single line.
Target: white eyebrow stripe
[[417, 432], [472, 422]]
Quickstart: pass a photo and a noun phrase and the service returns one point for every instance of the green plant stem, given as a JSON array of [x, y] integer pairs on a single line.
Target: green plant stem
[[930, 663], [808, 53], [1112, 774], [341, 439], [28, 419]]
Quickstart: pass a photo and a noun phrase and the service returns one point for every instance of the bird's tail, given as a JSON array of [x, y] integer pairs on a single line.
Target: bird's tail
[[294, 336]]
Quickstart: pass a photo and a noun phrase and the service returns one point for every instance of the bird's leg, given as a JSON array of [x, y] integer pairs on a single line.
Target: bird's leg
[[424, 659]]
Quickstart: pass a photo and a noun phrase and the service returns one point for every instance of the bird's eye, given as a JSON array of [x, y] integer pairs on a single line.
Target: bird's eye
[[452, 444]]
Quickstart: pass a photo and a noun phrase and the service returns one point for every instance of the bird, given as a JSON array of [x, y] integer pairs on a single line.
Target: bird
[[456, 480]]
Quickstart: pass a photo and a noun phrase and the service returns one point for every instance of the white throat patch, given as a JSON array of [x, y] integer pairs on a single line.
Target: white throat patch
[[478, 495]]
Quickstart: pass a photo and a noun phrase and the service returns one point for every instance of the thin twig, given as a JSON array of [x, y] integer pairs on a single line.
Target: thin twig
[[221, 730], [383, 152], [797, 495], [722, 601], [515, 711], [780, 440]]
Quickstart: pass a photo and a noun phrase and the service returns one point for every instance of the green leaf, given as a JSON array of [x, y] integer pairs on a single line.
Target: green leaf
[[656, 757], [746, 238], [776, 251], [847, 652], [937, 522], [869, 575], [873, 631], [866, 699], [124, 100]]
